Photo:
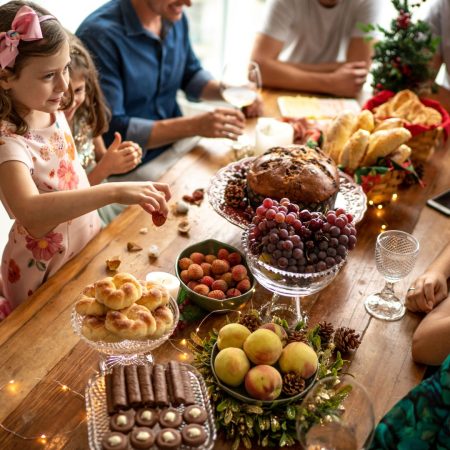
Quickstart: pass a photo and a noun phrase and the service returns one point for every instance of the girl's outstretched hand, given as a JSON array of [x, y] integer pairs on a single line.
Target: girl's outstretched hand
[[120, 157]]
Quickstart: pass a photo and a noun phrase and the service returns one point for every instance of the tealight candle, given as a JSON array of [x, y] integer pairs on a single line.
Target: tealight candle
[[272, 133], [169, 281]]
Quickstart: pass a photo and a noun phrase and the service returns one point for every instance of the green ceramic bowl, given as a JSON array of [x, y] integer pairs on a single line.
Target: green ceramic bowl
[[241, 394], [211, 246]]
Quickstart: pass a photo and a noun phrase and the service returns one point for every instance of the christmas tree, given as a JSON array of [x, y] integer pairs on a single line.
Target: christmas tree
[[402, 58]]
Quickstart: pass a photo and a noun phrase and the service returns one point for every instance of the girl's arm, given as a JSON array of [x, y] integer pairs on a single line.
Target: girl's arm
[[40, 213]]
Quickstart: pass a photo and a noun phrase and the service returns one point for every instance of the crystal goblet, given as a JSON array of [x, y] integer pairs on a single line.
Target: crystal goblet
[[126, 351], [395, 255], [287, 287], [342, 413]]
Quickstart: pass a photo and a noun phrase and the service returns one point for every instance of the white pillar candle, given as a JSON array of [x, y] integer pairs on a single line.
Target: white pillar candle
[[272, 133], [169, 281]]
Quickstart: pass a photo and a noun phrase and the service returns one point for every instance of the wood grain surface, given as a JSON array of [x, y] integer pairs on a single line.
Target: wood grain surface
[[38, 346]]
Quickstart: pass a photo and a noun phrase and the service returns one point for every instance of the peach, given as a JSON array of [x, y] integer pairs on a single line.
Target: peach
[[218, 295], [223, 253], [263, 382], [263, 347], [300, 358], [197, 257], [219, 285], [206, 268], [239, 272], [220, 266], [278, 330], [232, 335], [201, 289], [210, 258], [233, 292], [234, 258], [244, 285], [195, 272], [231, 366], [207, 280], [184, 276], [184, 263]]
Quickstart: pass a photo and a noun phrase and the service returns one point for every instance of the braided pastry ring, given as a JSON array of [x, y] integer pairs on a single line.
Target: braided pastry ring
[[119, 291], [154, 295], [134, 322]]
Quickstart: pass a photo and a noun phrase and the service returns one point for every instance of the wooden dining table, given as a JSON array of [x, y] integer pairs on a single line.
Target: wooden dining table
[[45, 367]]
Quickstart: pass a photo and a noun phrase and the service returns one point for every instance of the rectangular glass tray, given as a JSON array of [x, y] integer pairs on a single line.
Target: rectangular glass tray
[[98, 418]]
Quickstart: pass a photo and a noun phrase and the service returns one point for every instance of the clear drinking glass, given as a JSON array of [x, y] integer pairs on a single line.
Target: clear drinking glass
[[239, 85], [395, 254], [344, 414]]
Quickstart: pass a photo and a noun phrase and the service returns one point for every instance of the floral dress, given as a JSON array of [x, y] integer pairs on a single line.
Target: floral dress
[[421, 420], [50, 156]]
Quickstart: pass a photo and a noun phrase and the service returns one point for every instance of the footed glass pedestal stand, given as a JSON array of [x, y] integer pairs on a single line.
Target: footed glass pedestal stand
[[127, 351], [287, 287]]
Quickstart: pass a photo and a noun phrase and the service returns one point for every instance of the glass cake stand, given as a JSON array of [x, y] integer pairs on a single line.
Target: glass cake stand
[[287, 287], [127, 351], [351, 196]]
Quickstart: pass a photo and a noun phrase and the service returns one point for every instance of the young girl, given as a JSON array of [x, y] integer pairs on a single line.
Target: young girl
[[88, 120], [42, 184]]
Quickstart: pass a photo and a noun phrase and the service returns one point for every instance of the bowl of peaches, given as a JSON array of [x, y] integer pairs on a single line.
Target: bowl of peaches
[[214, 275], [121, 315]]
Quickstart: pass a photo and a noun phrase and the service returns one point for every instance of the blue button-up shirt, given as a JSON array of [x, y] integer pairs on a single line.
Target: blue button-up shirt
[[140, 72]]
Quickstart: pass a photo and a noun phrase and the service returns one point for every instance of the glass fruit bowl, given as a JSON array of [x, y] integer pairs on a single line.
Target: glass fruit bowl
[[288, 285], [241, 394], [125, 351]]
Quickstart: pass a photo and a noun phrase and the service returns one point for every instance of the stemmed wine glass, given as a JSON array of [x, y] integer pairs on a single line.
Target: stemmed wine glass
[[343, 413], [395, 254], [239, 85]]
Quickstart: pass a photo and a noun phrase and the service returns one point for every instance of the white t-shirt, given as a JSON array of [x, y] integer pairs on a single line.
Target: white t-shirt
[[314, 34], [438, 16]]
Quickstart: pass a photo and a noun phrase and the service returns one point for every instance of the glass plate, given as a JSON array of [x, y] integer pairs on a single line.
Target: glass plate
[[351, 197], [98, 418], [127, 346]]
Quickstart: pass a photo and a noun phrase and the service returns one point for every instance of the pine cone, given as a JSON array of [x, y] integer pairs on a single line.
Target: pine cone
[[346, 339], [292, 384], [250, 321], [326, 331], [297, 336]]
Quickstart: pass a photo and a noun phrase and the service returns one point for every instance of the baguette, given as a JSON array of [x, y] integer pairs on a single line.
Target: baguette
[[400, 154], [338, 133], [388, 124], [384, 142], [354, 150], [365, 121]]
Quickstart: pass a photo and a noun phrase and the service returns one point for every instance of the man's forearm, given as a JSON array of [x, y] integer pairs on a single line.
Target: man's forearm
[[168, 131]]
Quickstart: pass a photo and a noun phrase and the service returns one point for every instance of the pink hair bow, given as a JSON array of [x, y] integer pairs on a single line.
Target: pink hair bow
[[26, 27]]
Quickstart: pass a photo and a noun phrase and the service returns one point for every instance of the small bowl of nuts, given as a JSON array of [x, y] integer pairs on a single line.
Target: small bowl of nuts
[[215, 275]]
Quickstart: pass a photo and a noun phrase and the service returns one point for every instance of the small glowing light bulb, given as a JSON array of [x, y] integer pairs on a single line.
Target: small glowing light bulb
[[370, 202], [394, 196], [380, 206], [183, 342], [383, 227]]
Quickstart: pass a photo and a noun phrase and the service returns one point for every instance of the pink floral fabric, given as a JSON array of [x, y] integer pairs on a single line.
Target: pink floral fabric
[[28, 261]]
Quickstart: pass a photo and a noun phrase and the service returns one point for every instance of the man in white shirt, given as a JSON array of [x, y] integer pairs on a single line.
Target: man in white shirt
[[438, 17], [316, 45]]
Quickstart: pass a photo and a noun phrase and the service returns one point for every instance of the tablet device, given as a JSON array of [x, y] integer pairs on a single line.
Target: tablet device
[[441, 202]]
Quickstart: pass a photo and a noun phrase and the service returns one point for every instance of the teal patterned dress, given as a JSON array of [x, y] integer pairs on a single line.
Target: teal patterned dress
[[421, 420]]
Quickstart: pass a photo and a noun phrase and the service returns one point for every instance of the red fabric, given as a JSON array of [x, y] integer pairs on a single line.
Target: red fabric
[[384, 96]]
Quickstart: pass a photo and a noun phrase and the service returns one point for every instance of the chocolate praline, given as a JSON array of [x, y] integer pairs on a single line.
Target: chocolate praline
[[142, 438], [168, 439], [170, 418], [146, 417], [193, 435], [122, 421], [194, 414], [114, 441]]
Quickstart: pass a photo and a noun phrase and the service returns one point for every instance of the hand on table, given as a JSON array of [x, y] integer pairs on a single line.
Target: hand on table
[[348, 79], [255, 109], [426, 292], [221, 123]]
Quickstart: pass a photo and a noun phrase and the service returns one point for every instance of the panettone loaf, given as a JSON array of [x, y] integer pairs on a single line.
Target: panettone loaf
[[307, 176]]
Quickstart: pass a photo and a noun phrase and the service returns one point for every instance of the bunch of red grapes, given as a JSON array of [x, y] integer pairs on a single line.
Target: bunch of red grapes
[[301, 241]]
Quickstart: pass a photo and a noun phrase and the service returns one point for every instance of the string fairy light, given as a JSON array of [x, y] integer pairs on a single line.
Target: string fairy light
[[42, 438]]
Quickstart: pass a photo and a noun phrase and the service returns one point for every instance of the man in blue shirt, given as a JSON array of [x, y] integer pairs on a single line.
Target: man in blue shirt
[[143, 53]]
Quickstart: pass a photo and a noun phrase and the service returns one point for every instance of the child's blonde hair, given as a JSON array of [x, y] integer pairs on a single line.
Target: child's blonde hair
[[53, 38], [94, 110]]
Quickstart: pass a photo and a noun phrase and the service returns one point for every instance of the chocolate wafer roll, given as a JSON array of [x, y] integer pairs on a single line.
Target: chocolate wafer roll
[[145, 385], [109, 394], [160, 385], [119, 390], [187, 386], [176, 383], [132, 382]]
